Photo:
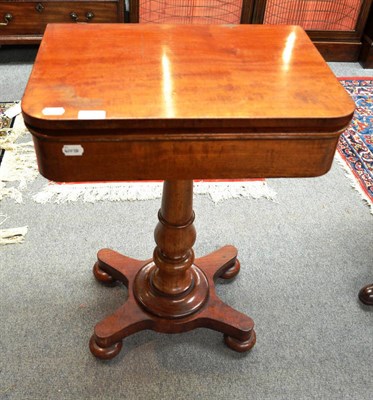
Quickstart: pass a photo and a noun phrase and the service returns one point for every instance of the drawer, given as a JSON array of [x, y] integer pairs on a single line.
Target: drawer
[[31, 18]]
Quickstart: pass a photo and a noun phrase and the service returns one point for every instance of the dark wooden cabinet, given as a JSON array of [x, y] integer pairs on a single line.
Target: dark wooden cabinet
[[335, 26], [366, 55], [25, 21], [342, 30]]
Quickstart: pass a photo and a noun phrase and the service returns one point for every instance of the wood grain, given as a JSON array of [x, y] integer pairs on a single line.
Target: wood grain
[[176, 103], [30, 18], [184, 77], [199, 97]]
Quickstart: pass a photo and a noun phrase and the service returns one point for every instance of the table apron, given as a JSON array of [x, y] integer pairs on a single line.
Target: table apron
[[98, 160]]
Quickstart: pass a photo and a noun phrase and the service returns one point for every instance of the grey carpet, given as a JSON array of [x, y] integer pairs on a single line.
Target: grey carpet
[[303, 261]]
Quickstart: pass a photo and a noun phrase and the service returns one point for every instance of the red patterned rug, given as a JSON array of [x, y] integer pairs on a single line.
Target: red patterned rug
[[356, 144]]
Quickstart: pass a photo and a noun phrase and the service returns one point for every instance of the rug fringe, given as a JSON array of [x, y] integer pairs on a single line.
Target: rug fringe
[[10, 192], [131, 191], [219, 191], [13, 235], [19, 161], [353, 181]]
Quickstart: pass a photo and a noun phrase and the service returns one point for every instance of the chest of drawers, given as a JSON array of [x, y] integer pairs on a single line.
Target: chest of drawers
[[25, 21]]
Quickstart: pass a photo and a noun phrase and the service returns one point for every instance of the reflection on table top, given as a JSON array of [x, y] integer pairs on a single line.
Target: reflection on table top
[[238, 77]]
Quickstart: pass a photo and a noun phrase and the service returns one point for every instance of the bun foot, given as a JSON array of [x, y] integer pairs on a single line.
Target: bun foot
[[366, 295], [104, 353], [238, 345], [101, 275], [232, 272]]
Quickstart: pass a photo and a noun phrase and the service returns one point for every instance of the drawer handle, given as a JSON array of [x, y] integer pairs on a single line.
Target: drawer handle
[[7, 18], [39, 7], [89, 15], [74, 16]]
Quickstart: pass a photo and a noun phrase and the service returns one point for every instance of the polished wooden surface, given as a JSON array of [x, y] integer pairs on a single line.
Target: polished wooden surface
[[208, 96], [182, 11], [172, 292], [30, 18], [177, 103], [366, 295], [366, 55], [106, 342], [340, 44], [184, 77]]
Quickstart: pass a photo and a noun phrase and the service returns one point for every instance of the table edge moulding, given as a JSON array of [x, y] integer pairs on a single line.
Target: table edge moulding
[[177, 103]]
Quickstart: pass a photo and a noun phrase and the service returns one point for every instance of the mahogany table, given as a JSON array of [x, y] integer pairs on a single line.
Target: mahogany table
[[177, 103]]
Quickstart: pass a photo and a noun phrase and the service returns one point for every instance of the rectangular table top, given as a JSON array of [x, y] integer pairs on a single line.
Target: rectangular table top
[[98, 78], [138, 101]]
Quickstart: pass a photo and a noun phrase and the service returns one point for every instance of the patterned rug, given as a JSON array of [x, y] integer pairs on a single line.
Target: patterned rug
[[356, 144]]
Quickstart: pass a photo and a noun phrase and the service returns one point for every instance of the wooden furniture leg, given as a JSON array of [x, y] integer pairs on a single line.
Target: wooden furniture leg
[[173, 292], [366, 54], [366, 295]]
